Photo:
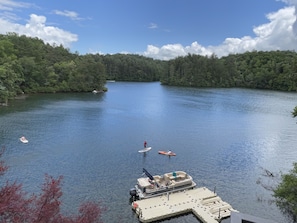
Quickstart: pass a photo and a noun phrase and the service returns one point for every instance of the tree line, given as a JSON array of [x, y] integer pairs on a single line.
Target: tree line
[[274, 70], [31, 66], [28, 65]]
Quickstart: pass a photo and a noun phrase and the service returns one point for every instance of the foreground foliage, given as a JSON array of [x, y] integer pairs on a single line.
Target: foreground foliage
[[16, 206], [286, 193]]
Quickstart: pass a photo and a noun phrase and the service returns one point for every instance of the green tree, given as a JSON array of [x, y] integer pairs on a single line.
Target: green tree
[[10, 71], [286, 193]]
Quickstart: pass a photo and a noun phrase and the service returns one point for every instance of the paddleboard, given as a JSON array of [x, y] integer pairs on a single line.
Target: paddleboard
[[145, 150]]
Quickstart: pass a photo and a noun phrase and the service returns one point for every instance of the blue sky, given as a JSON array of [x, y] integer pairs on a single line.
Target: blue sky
[[161, 29]]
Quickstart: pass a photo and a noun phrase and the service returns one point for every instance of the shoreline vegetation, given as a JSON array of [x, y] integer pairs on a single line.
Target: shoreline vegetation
[[29, 66]]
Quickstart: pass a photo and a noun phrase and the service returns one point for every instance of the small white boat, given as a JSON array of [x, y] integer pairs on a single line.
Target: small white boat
[[23, 139], [97, 91], [152, 186]]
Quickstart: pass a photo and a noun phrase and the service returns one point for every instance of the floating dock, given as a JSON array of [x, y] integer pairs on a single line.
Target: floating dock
[[205, 204]]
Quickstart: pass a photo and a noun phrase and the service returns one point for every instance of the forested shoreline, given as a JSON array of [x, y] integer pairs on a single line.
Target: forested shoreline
[[274, 70], [28, 65]]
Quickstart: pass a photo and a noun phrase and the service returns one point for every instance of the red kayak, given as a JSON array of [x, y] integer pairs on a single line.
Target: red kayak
[[167, 153]]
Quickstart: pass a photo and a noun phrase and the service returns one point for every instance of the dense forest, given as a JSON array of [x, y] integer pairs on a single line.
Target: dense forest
[[275, 70], [127, 67], [28, 65]]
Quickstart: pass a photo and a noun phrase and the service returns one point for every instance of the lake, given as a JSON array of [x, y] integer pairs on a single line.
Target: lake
[[224, 138]]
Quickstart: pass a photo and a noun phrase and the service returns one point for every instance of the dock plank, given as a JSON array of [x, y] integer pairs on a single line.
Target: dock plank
[[202, 202]]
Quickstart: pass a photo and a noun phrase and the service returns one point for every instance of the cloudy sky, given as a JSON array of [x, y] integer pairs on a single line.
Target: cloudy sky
[[161, 29]]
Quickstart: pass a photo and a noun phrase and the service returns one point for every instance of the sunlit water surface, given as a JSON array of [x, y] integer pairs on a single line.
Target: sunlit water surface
[[224, 138]]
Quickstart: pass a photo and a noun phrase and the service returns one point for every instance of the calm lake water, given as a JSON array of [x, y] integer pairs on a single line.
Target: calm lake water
[[224, 138]]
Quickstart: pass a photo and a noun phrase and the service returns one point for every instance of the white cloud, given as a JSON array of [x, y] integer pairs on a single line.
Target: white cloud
[[279, 34], [289, 2], [72, 15], [153, 26], [9, 5], [36, 27], [166, 52], [9, 16]]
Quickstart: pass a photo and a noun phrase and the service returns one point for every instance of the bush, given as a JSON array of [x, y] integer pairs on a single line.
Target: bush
[[286, 193]]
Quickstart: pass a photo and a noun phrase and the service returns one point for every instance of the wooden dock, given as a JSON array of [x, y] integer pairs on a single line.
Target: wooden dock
[[202, 202]]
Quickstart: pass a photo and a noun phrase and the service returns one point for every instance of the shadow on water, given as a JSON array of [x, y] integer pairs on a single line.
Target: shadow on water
[[39, 101]]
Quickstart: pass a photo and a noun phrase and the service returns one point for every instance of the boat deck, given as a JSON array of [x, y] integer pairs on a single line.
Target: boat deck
[[202, 202], [152, 186]]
